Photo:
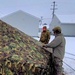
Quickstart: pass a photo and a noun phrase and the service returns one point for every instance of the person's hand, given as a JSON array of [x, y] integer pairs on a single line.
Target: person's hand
[[44, 45]]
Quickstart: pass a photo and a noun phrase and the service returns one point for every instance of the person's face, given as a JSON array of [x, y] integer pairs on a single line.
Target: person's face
[[54, 33], [44, 29]]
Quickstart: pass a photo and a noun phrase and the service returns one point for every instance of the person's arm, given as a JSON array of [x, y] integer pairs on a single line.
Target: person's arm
[[48, 36], [53, 43]]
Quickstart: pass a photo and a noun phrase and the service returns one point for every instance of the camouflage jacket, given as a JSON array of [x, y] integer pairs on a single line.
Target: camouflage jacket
[[45, 37]]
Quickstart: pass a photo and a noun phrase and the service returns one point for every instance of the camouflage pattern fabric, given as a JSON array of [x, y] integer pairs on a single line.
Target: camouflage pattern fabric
[[45, 37], [20, 54]]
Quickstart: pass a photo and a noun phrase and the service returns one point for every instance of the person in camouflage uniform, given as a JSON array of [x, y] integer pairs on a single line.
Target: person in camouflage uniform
[[45, 35], [58, 46]]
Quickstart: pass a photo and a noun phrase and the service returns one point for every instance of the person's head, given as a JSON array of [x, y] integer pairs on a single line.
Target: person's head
[[44, 28], [56, 30]]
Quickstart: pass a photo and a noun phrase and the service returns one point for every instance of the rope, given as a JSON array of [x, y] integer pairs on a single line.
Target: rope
[[70, 54], [69, 66], [70, 58]]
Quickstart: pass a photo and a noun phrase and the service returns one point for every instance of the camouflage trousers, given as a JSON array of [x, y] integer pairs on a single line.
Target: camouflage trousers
[[57, 66]]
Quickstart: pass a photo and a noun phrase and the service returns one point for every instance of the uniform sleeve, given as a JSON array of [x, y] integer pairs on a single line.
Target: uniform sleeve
[[57, 41], [48, 36]]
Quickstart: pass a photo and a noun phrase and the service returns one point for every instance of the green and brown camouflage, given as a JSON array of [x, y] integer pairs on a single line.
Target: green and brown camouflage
[[45, 37], [20, 54]]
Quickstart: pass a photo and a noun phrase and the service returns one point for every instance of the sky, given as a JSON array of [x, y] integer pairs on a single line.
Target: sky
[[38, 8]]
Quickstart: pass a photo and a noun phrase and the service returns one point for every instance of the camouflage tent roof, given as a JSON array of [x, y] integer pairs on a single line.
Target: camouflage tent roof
[[18, 47]]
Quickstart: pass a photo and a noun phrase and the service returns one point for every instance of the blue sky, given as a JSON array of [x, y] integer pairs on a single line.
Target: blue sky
[[37, 8]]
